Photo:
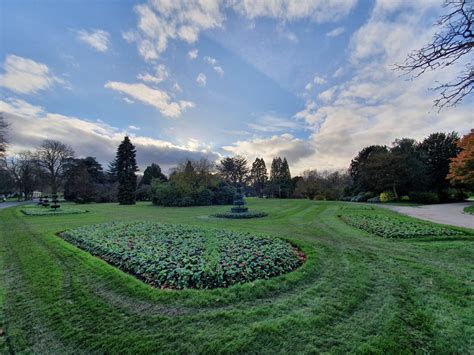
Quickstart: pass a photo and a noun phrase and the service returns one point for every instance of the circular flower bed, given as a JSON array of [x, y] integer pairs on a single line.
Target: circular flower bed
[[240, 215], [46, 211], [179, 257]]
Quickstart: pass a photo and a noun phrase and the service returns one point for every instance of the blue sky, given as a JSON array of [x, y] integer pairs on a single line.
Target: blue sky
[[311, 80]]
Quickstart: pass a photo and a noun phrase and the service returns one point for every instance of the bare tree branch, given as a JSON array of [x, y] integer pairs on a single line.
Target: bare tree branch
[[454, 40]]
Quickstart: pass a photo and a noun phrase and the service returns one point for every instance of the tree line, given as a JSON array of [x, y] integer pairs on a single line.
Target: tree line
[[439, 168]]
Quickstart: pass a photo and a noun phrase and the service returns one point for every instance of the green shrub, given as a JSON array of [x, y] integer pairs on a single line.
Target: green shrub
[[375, 199], [360, 197], [179, 257], [405, 198], [387, 196], [424, 197]]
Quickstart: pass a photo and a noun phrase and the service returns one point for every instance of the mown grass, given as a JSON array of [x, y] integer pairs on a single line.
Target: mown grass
[[469, 209], [355, 293]]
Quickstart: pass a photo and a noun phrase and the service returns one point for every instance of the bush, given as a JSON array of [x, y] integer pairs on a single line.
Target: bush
[[424, 197], [223, 195], [143, 193], [387, 196], [375, 199], [360, 197], [320, 197], [346, 198], [405, 198], [106, 192]]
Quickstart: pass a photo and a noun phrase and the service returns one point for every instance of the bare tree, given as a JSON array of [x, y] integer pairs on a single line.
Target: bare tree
[[52, 155], [3, 135], [24, 170], [454, 40]]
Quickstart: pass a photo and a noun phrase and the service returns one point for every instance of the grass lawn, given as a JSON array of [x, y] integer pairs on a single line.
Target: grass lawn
[[356, 292], [469, 209]]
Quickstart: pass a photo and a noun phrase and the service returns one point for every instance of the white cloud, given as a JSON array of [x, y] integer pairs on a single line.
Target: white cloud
[[284, 145], [269, 123], [90, 138], [218, 69], [156, 98], [375, 105], [210, 60], [201, 79], [25, 76], [177, 88], [128, 101], [160, 21], [327, 95], [336, 32], [193, 54], [319, 80], [161, 74], [290, 10], [96, 39], [308, 86]]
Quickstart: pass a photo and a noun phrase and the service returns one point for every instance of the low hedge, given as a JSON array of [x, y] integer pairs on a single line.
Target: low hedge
[[245, 215]]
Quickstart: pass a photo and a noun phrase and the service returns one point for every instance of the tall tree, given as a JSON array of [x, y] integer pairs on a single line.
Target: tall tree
[[437, 150], [234, 170], [52, 155], [285, 179], [82, 177], [453, 41], [152, 172], [25, 171], [258, 176], [126, 165], [3, 135], [78, 185], [361, 176], [461, 168]]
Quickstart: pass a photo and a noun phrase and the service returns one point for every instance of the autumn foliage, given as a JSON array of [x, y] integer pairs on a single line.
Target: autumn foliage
[[461, 169]]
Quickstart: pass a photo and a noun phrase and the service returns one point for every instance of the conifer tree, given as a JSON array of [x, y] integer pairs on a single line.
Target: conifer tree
[[126, 167], [259, 176]]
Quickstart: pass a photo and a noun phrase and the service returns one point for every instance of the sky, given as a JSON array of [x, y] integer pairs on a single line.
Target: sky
[[311, 80]]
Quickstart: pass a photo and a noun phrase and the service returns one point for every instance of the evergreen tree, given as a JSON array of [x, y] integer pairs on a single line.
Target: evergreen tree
[[285, 179], [258, 176], [152, 172], [126, 165]]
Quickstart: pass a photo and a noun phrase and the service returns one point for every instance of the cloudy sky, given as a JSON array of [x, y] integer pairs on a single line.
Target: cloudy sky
[[311, 80]]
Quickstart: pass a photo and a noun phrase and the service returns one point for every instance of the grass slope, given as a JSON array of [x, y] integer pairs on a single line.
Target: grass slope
[[355, 293]]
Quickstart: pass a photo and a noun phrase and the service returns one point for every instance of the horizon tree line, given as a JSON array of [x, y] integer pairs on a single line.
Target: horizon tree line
[[440, 162]]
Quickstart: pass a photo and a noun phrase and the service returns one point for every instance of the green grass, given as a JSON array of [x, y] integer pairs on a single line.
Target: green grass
[[469, 209], [356, 292]]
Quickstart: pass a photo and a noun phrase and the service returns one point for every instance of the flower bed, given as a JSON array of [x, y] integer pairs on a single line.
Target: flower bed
[[179, 257], [241, 215], [47, 211], [393, 227]]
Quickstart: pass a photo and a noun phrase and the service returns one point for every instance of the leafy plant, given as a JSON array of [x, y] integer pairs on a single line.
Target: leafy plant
[[179, 257], [391, 227]]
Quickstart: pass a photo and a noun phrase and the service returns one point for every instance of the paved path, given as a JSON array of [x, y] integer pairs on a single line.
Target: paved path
[[449, 213], [15, 203]]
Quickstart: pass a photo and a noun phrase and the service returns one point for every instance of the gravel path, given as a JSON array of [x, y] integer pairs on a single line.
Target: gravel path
[[449, 213]]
